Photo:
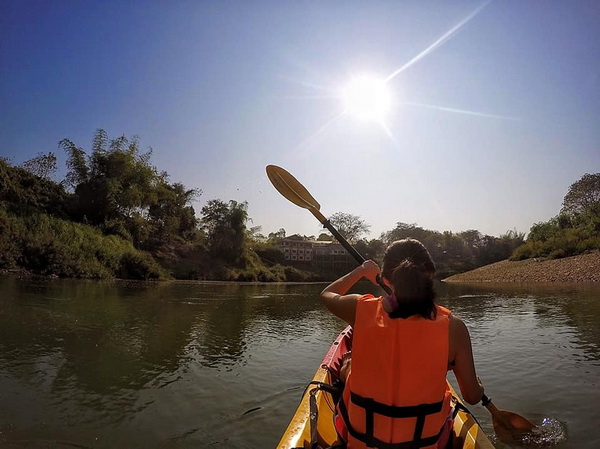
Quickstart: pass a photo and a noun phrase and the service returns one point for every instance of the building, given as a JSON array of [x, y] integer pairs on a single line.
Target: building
[[316, 254]]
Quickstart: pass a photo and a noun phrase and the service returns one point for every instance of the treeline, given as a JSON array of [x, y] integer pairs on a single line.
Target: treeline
[[575, 230], [452, 252], [115, 215]]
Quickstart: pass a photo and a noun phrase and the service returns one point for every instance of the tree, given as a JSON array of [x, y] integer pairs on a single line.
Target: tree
[[405, 230], [77, 164], [171, 214], [325, 237], [276, 237], [350, 226], [117, 188], [583, 195], [255, 234], [43, 165], [225, 227], [116, 182], [370, 249], [23, 192]]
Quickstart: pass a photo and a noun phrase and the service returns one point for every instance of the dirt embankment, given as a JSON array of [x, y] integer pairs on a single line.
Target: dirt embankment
[[582, 268]]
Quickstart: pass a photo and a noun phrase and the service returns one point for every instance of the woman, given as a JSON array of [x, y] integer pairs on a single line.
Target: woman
[[396, 394]]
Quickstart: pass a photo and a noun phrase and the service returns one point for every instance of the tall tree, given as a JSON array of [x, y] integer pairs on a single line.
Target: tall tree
[[77, 164], [117, 188], [276, 236], [225, 227], [352, 227], [116, 182], [582, 195], [171, 213], [43, 165]]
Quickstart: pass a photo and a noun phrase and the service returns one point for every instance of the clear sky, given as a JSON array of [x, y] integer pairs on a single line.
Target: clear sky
[[494, 113]]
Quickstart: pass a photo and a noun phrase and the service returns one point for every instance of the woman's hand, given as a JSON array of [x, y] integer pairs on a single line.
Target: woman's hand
[[370, 270]]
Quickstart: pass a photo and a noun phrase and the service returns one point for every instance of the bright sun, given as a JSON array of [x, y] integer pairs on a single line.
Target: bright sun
[[366, 98]]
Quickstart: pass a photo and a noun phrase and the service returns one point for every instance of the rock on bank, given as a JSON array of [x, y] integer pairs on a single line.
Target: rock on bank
[[581, 268]]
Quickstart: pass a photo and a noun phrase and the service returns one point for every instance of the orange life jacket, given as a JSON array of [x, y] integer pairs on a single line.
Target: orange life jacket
[[396, 396]]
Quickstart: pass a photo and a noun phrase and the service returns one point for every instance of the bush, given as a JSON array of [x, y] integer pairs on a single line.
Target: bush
[[556, 242], [47, 245], [138, 265]]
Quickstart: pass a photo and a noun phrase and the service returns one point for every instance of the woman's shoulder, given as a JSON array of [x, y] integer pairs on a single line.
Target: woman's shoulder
[[458, 329]]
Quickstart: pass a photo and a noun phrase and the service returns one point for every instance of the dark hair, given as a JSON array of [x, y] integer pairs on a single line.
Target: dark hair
[[407, 265]]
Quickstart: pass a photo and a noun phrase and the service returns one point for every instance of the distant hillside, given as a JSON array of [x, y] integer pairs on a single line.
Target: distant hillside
[[581, 268]]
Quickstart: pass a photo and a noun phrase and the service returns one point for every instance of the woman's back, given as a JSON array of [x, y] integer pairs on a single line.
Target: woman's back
[[398, 377]]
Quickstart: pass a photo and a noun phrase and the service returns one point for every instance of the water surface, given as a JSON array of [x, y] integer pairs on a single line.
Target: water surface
[[127, 364]]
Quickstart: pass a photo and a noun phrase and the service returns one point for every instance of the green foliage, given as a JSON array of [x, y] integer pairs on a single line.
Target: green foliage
[[115, 182], [139, 265], [269, 253], [77, 164], [352, 227], [43, 165], [47, 245], [117, 189], [458, 252], [254, 271], [171, 214], [549, 240], [575, 230], [225, 228], [22, 192], [582, 195], [371, 249], [131, 207], [276, 237]]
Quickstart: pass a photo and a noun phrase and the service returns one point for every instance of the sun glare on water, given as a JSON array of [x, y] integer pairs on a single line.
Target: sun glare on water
[[366, 98]]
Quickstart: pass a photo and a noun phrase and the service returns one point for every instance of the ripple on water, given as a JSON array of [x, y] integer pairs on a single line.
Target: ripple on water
[[548, 434]]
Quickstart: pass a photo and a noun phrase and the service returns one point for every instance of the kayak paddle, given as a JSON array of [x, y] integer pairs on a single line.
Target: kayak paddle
[[508, 426], [295, 192]]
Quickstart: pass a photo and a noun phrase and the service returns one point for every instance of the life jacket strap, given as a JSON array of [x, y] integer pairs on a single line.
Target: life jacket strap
[[394, 411], [371, 407]]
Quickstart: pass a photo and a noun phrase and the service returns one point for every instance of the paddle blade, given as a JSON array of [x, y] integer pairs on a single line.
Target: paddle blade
[[510, 427], [291, 188]]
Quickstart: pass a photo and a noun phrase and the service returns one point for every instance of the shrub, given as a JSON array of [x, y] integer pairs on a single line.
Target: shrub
[[51, 246], [138, 265]]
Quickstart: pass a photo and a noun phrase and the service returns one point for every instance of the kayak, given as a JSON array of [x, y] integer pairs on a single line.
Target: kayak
[[312, 424]]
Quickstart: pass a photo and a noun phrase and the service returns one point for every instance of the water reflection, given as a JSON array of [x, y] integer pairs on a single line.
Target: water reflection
[[571, 306], [108, 364]]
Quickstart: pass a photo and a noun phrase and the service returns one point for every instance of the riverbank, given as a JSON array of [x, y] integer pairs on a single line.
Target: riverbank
[[581, 268]]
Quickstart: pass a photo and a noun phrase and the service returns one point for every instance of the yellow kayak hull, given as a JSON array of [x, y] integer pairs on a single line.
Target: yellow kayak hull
[[467, 433]]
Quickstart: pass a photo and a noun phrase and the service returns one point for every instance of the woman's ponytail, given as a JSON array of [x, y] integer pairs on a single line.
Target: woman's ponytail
[[409, 268]]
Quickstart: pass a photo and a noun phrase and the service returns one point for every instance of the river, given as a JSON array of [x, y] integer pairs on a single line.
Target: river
[[206, 365]]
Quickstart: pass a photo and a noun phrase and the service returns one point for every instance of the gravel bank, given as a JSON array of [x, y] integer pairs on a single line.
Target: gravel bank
[[582, 268]]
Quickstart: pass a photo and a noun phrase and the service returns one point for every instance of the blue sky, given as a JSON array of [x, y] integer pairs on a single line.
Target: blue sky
[[487, 129]]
